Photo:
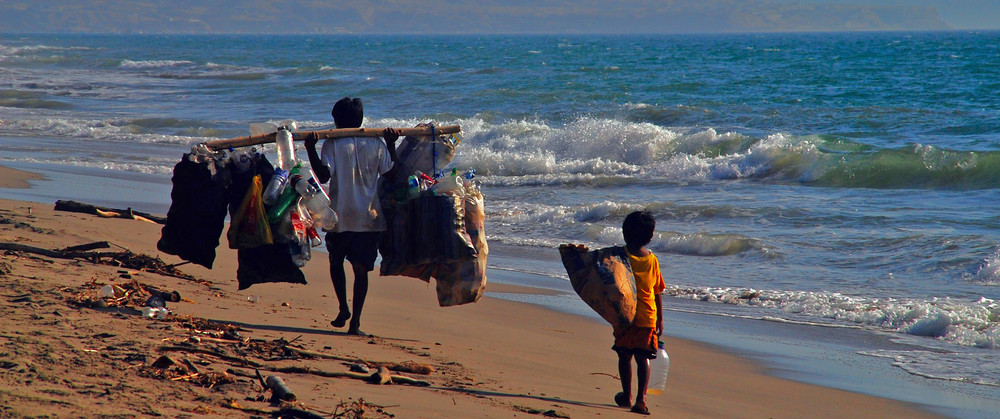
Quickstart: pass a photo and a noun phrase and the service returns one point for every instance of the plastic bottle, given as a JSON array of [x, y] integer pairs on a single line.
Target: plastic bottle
[[276, 186], [658, 369], [413, 187], [299, 247], [317, 204], [288, 197], [286, 149]]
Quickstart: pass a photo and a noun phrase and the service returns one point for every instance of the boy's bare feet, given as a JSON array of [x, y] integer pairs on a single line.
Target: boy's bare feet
[[640, 408], [622, 399]]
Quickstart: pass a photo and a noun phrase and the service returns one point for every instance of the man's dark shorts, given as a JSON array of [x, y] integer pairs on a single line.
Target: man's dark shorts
[[360, 248]]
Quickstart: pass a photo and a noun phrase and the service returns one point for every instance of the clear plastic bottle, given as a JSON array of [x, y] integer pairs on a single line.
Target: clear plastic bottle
[[286, 149], [276, 186], [317, 203], [658, 369]]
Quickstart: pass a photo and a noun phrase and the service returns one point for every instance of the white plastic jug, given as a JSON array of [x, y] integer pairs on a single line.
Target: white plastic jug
[[658, 369]]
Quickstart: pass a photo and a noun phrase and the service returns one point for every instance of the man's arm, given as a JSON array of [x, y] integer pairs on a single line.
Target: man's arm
[[322, 173], [391, 136]]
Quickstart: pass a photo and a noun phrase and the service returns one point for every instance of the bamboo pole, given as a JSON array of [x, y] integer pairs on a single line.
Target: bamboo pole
[[328, 134]]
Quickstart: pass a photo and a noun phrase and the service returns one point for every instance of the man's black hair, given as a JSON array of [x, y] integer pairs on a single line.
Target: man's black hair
[[638, 228], [348, 113]]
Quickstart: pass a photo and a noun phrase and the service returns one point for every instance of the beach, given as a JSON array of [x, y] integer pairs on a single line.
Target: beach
[[494, 358]]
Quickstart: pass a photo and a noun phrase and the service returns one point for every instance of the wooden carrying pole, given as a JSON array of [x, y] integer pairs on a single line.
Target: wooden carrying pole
[[330, 133]]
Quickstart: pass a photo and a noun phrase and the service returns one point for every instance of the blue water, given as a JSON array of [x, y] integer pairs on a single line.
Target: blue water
[[845, 180]]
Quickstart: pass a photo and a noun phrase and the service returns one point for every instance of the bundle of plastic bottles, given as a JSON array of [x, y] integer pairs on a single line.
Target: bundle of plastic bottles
[[294, 196], [420, 184]]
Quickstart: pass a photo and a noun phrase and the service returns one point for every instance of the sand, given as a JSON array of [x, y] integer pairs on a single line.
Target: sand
[[494, 358]]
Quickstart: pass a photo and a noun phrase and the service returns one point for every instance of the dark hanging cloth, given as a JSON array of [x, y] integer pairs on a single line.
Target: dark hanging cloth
[[197, 211], [270, 262]]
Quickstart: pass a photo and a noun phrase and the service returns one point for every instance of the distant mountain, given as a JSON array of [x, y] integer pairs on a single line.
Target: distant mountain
[[452, 16]]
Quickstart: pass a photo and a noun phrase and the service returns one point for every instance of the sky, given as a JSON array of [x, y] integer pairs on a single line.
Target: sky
[[493, 16]]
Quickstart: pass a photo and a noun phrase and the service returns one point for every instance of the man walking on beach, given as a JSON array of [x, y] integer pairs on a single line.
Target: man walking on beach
[[353, 166]]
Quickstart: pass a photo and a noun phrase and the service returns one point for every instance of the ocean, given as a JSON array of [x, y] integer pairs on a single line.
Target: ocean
[[837, 189]]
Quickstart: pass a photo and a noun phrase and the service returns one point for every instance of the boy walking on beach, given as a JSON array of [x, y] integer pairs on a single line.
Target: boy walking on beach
[[353, 166], [639, 341]]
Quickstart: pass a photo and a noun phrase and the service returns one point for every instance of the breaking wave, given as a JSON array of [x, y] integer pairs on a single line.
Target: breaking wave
[[973, 323], [592, 147]]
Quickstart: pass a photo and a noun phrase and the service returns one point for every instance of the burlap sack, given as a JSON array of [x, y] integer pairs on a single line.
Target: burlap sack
[[603, 279]]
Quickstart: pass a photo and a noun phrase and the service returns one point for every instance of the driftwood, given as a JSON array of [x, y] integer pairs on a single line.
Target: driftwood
[[328, 134], [381, 376], [410, 367], [88, 246], [230, 358], [60, 254], [73, 206], [125, 259]]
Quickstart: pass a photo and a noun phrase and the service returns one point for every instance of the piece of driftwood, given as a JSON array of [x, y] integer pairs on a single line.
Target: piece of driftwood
[[328, 134], [73, 206], [60, 254], [230, 358], [88, 246], [408, 366], [378, 377], [125, 259], [279, 390]]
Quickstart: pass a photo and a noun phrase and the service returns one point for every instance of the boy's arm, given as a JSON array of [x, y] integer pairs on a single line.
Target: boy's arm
[[317, 164], [659, 314]]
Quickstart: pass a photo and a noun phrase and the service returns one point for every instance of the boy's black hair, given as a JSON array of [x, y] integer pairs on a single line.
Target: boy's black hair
[[348, 113], [638, 228]]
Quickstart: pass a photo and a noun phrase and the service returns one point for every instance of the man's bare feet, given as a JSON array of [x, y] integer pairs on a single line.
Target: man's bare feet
[[341, 319]]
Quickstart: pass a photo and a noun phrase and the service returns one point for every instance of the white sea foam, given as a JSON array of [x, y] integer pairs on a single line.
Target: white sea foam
[[107, 130], [974, 323], [154, 63], [988, 272], [950, 365]]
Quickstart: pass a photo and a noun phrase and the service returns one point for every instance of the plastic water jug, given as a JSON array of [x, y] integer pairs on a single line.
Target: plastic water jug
[[658, 369]]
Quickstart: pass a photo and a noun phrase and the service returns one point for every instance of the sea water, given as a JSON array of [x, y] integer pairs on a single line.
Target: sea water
[[836, 180]]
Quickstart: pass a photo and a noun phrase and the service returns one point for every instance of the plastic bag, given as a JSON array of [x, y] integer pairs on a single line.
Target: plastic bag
[[249, 227], [462, 282], [423, 154]]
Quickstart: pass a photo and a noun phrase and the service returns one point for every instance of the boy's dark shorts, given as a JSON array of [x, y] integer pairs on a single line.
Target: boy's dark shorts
[[359, 247], [638, 341]]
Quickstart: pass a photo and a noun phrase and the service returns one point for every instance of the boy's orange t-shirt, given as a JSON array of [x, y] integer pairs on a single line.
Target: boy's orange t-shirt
[[648, 283]]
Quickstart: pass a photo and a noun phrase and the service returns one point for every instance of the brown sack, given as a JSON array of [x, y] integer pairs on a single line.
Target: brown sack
[[464, 282], [603, 279]]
